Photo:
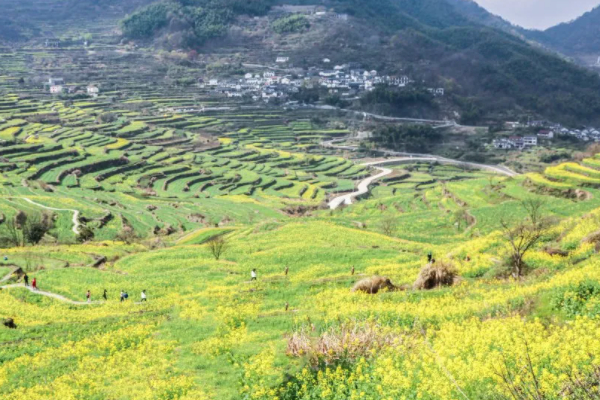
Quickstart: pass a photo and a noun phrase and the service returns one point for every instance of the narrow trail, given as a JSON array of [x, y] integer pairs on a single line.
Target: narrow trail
[[363, 186], [48, 294], [76, 224], [9, 275], [55, 295]]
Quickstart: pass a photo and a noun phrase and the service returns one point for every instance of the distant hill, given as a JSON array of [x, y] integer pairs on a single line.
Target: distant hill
[[488, 70], [579, 37], [478, 14], [31, 19]]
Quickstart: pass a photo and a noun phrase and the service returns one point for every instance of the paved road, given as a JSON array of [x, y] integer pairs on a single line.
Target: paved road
[[363, 186], [441, 123], [76, 223]]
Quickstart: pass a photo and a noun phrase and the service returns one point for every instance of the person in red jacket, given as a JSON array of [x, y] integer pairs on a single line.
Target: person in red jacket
[[34, 284]]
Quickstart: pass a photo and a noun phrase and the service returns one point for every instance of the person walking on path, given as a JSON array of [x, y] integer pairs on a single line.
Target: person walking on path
[[253, 275], [104, 296], [144, 296], [26, 279], [122, 296], [34, 284], [88, 295]]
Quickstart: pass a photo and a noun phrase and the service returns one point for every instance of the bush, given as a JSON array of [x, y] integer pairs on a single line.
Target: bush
[[292, 24], [583, 299]]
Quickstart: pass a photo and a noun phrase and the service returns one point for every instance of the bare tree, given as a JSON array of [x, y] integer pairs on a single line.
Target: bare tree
[[523, 236], [11, 234], [461, 216], [218, 245], [389, 225], [127, 235]]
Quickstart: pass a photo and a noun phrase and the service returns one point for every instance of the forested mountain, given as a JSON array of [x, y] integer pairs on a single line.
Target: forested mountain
[[488, 70], [579, 37]]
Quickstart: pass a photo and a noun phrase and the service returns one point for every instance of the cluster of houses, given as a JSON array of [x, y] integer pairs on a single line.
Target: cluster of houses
[[57, 86], [545, 131], [515, 142], [314, 11], [347, 80]]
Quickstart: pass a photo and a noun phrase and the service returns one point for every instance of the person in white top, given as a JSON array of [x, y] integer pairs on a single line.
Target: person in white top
[[144, 295], [253, 275]]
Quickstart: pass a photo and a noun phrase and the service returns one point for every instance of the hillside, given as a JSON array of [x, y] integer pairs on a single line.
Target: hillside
[[298, 332], [488, 72], [576, 38], [163, 239]]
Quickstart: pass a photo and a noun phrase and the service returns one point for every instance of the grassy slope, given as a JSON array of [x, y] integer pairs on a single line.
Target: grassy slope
[[202, 312]]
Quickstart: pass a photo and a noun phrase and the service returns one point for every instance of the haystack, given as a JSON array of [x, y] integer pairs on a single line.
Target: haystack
[[556, 252], [373, 285], [593, 238], [435, 275]]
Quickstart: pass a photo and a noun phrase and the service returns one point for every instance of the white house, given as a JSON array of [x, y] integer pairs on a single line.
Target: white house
[[56, 89], [546, 134], [248, 76], [503, 144], [530, 141], [403, 81], [268, 74], [93, 90], [213, 82], [56, 82], [282, 60], [326, 60]]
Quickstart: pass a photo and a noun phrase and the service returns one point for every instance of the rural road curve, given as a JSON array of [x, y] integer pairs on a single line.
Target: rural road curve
[[76, 223], [363, 186]]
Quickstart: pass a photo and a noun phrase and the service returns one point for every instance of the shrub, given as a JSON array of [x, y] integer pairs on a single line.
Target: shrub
[[583, 299], [293, 23]]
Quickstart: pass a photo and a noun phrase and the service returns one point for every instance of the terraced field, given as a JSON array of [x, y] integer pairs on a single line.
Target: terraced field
[[162, 175], [134, 167]]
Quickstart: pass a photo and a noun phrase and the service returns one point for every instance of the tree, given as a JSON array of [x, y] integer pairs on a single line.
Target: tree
[[36, 227], [127, 235], [526, 234], [461, 216], [12, 235], [389, 225], [218, 245], [85, 234]]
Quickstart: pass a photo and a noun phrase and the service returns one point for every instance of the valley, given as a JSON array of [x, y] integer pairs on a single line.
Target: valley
[[347, 234]]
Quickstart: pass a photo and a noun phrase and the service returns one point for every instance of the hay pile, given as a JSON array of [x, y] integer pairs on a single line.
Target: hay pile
[[435, 275], [374, 284]]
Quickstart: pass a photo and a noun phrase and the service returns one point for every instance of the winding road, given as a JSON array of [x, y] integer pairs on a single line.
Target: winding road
[[363, 186], [76, 223]]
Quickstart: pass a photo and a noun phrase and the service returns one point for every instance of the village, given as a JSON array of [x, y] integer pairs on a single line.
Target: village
[[277, 82], [546, 131]]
